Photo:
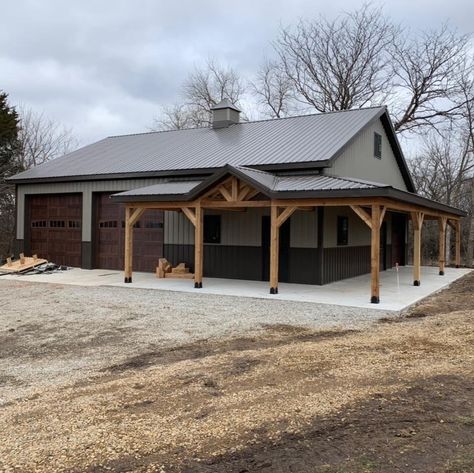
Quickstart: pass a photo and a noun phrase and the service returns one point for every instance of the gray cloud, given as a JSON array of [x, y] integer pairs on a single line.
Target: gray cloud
[[105, 67]]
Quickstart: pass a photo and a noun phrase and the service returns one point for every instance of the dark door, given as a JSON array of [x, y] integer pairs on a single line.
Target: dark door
[[383, 246], [399, 222], [284, 253], [110, 236], [55, 227]]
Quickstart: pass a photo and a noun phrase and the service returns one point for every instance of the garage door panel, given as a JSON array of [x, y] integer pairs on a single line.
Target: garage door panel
[[55, 227], [110, 236]]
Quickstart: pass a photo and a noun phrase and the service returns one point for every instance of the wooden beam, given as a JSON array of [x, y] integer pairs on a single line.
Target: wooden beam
[[274, 249], [457, 260], [382, 215], [252, 194], [225, 193], [209, 204], [285, 215], [128, 245], [442, 244], [417, 219], [190, 214], [198, 248], [234, 188], [135, 216], [244, 190], [362, 214], [375, 255]]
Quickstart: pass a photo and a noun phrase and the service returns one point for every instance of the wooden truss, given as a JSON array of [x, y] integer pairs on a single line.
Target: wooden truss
[[233, 194]]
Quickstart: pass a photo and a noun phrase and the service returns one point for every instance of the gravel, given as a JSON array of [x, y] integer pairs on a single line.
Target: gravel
[[55, 334]]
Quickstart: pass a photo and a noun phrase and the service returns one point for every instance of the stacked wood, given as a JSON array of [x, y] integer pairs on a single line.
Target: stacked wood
[[22, 264], [165, 270]]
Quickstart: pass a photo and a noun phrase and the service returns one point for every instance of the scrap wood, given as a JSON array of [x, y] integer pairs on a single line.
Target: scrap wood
[[165, 270], [25, 263]]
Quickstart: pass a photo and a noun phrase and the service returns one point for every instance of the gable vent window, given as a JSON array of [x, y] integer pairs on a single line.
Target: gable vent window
[[377, 145], [342, 231], [212, 228]]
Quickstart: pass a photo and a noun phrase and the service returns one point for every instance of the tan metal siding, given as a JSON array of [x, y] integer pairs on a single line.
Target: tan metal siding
[[237, 228], [304, 230], [86, 188], [358, 160]]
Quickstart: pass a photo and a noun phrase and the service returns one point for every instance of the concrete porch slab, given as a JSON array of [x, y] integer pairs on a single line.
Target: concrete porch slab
[[396, 294]]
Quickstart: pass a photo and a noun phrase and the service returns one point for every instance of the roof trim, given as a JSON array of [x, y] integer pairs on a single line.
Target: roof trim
[[382, 191]]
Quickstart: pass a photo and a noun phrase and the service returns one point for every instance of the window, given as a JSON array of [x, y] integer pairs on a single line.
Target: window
[[153, 225], [57, 224], [342, 231], [377, 145], [108, 224], [212, 228], [39, 224], [74, 224]]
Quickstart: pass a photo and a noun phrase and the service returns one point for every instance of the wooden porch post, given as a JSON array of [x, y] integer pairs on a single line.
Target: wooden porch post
[[457, 261], [442, 221], [417, 220], [276, 221], [131, 217], [198, 247], [274, 249], [128, 245], [375, 255]]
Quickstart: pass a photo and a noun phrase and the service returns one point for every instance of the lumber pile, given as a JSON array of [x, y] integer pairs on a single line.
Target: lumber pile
[[165, 270], [23, 264]]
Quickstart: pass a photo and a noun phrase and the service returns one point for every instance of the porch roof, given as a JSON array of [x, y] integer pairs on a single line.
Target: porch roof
[[280, 187]]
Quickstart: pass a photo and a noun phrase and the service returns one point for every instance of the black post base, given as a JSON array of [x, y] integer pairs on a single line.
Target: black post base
[[375, 300], [273, 290], [457, 266], [441, 273], [416, 283], [198, 285], [128, 280]]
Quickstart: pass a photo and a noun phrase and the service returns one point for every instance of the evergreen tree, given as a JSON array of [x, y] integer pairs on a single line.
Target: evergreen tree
[[9, 165]]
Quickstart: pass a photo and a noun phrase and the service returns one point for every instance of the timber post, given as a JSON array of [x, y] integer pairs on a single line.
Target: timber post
[[457, 261], [128, 245], [131, 217], [417, 220], [375, 255], [274, 249], [442, 221], [198, 246]]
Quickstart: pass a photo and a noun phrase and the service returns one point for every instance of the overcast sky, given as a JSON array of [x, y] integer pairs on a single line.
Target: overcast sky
[[104, 67]]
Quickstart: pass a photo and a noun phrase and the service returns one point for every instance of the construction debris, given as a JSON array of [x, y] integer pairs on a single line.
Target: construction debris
[[165, 270], [25, 263]]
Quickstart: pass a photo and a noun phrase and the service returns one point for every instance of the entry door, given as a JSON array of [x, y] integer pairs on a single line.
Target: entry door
[[284, 253], [398, 239]]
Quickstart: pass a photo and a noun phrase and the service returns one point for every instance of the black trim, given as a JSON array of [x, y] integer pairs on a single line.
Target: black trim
[[86, 255]]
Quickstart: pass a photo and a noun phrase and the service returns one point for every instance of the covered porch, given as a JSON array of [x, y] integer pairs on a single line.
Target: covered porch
[[236, 189]]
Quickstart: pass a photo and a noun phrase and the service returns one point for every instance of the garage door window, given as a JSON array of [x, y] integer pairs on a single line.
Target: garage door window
[[39, 224], [57, 224]]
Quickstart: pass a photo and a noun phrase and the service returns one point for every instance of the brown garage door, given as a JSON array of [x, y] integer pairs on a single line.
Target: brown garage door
[[110, 235], [55, 227]]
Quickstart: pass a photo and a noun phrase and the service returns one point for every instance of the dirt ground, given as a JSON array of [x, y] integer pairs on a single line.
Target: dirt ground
[[395, 397]]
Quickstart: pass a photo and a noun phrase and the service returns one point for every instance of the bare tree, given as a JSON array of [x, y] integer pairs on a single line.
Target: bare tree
[[274, 90], [41, 139], [339, 64], [205, 87], [176, 117], [427, 71]]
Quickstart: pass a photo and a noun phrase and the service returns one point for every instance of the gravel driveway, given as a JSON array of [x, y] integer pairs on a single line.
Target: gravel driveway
[[54, 334]]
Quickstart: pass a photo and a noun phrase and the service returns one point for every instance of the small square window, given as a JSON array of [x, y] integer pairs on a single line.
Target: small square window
[[212, 228], [377, 145], [342, 231]]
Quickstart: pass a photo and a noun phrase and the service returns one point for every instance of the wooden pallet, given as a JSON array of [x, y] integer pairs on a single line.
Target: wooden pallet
[[23, 264]]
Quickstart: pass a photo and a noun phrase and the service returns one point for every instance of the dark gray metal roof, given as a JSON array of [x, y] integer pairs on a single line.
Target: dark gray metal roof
[[309, 140], [266, 182], [164, 188]]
